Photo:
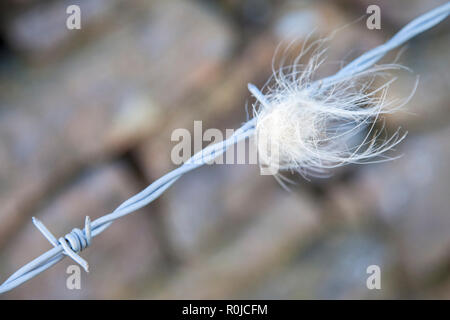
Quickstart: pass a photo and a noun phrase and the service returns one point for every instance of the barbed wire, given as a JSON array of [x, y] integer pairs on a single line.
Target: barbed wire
[[77, 240]]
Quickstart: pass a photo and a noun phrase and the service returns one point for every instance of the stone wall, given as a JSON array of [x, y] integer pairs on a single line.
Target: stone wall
[[85, 122]]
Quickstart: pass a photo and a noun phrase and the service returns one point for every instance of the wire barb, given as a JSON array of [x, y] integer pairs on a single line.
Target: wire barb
[[72, 243]]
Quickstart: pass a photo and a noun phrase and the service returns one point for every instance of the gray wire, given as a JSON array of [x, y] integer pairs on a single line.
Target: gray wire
[[77, 240]]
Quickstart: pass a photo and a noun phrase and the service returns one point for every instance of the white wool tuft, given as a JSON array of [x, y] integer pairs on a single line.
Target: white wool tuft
[[310, 127]]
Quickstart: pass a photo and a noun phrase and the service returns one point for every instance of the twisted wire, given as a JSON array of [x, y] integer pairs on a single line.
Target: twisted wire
[[74, 242]]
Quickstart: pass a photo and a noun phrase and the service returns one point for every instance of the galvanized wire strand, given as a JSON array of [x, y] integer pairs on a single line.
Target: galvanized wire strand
[[413, 28], [77, 240]]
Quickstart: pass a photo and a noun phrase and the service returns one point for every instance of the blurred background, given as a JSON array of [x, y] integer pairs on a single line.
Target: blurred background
[[85, 122]]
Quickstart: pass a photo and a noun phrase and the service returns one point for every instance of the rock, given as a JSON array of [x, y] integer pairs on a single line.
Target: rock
[[287, 221], [333, 267], [428, 107], [409, 196], [40, 33]]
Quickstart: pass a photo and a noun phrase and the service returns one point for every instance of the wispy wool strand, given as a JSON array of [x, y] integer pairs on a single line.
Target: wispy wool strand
[[320, 153], [309, 127]]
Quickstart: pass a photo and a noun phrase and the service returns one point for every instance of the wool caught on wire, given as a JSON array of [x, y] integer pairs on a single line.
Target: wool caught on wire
[[308, 126], [316, 120]]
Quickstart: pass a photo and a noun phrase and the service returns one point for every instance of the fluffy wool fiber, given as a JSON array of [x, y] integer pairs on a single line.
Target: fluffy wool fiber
[[311, 126]]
